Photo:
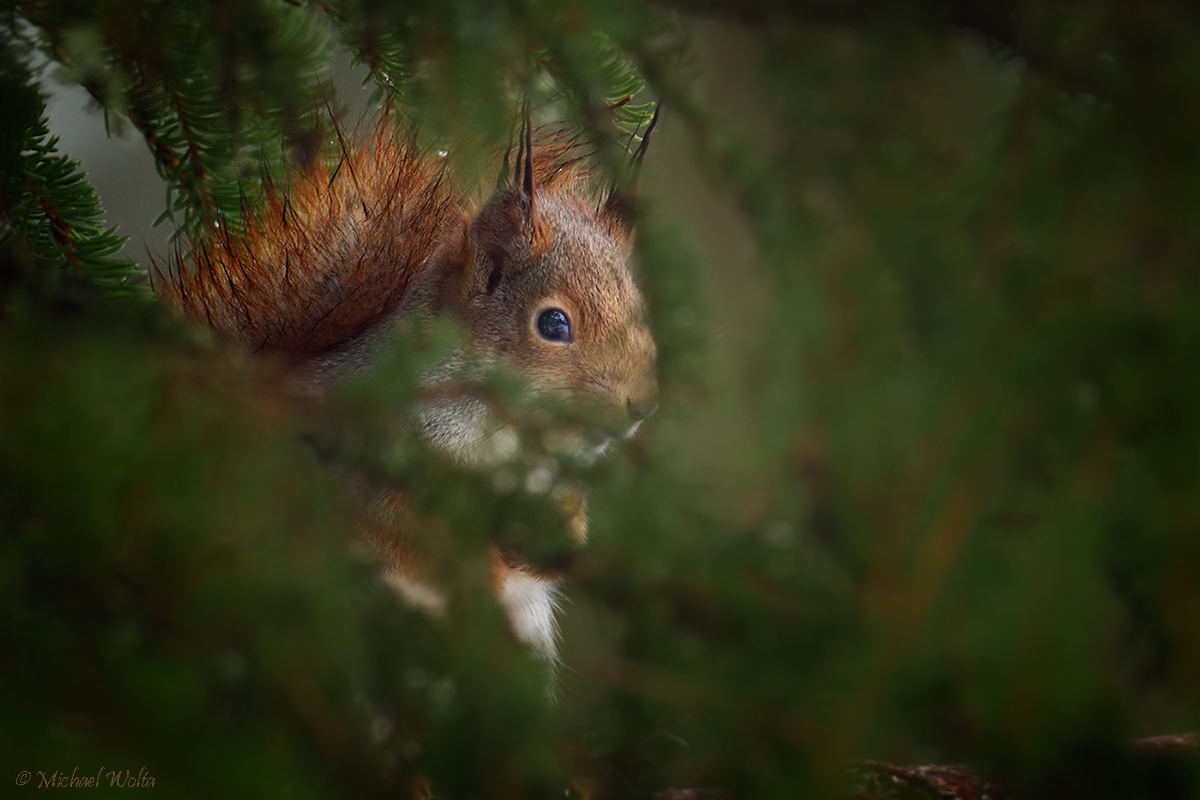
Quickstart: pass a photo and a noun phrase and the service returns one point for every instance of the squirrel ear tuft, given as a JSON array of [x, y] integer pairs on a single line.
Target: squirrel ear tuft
[[529, 210], [540, 237], [618, 212], [509, 226], [518, 213]]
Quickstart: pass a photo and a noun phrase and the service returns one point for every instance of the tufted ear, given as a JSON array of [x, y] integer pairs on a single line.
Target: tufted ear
[[529, 215], [510, 220], [519, 180], [618, 212]]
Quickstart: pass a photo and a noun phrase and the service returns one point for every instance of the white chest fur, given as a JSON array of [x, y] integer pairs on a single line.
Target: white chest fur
[[531, 603]]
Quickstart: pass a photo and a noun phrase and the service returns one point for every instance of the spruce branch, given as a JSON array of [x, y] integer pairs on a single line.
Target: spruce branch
[[51, 209], [376, 47], [211, 87]]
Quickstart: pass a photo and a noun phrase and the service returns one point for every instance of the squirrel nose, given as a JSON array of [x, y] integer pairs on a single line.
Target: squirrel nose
[[642, 407]]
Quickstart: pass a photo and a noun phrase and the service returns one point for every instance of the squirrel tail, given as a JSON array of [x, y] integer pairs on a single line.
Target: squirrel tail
[[328, 256], [324, 258]]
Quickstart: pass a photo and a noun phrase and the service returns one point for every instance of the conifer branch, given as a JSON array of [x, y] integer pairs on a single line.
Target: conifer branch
[[58, 218]]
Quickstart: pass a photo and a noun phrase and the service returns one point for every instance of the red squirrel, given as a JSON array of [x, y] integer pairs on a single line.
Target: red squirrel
[[538, 278]]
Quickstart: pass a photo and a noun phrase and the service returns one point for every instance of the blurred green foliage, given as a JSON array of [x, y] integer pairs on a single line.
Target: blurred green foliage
[[934, 498]]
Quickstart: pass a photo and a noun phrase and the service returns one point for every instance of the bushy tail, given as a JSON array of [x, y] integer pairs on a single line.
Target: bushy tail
[[324, 258]]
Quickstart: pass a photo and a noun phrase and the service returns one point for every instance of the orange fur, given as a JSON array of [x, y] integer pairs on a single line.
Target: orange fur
[[330, 255], [333, 255]]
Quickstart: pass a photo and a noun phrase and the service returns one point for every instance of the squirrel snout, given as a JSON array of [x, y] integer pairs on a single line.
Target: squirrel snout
[[643, 405]]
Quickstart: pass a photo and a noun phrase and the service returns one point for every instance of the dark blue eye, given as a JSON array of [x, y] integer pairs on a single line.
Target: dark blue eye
[[554, 326]]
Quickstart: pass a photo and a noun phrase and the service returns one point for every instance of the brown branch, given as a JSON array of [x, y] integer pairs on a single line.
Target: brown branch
[[1169, 744], [60, 230], [198, 181], [945, 781], [957, 782]]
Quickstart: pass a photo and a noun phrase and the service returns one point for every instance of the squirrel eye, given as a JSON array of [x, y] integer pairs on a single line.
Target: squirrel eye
[[554, 326]]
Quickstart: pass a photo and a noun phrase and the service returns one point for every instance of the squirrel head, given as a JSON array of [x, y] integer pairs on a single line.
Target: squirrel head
[[542, 281]]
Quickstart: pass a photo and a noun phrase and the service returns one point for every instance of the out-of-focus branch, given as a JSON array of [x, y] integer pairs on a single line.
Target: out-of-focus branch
[[957, 782], [997, 23]]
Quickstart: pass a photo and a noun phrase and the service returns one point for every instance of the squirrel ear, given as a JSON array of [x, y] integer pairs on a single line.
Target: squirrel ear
[[529, 213], [619, 209], [525, 215], [618, 213], [510, 218]]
